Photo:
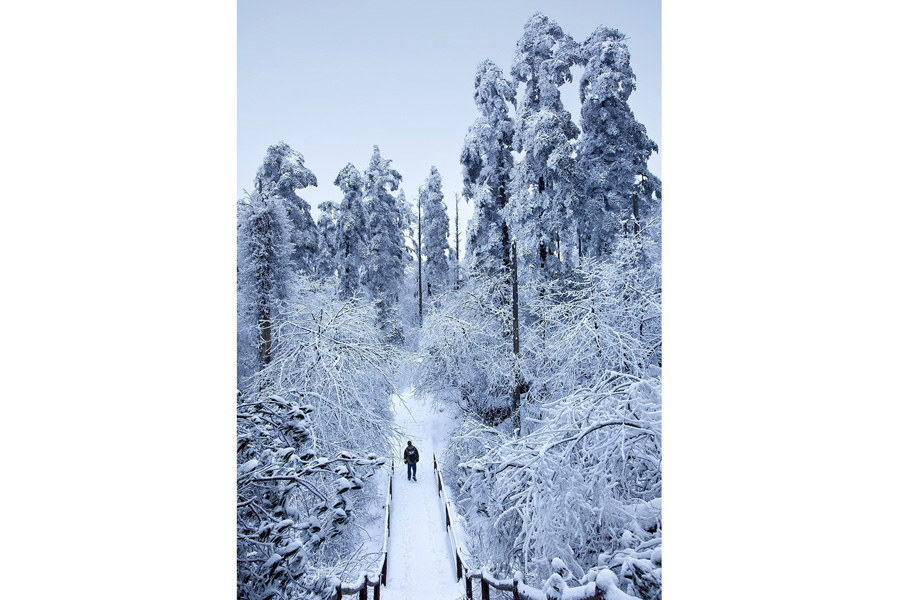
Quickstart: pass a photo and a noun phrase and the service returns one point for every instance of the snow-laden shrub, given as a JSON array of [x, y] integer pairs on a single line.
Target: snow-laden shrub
[[293, 505], [465, 355], [571, 487], [604, 319], [582, 479], [328, 351], [311, 430]]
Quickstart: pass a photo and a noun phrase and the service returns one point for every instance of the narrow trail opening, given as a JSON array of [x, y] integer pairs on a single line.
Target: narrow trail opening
[[419, 557]]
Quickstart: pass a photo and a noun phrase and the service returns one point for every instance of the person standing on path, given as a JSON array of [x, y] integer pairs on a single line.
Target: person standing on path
[[410, 457]]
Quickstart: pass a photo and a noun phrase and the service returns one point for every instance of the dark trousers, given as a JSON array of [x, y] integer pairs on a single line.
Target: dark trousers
[[410, 470]]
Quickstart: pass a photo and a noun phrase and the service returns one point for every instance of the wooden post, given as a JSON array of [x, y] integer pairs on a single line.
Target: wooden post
[[459, 572], [364, 591], [447, 512], [376, 595], [339, 594], [485, 589], [384, 570], [516, 590], [468, 588]]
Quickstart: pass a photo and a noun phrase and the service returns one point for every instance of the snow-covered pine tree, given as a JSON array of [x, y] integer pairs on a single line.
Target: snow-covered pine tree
[[435, 231], [614, 148], [546, 179], [264, 274], [386, 248], [282, 174], [329, 240], [407, 222], [487, 161], [352, 230]]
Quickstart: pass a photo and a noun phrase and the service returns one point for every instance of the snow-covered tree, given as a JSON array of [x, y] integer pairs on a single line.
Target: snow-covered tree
[[466, 353], [546, 180], [435, 231], [407, 222], [264, 274], [281, 174], [487, 161], [386, 249], [352, 230], [327, 259], [309, 435], [581, 480], [614, 148], [584, 485]]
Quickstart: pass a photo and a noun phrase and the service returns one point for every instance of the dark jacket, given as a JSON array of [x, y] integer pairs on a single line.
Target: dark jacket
[[411, 455]]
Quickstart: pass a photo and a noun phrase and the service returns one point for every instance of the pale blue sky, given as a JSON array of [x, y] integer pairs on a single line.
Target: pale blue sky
[[332, 79]]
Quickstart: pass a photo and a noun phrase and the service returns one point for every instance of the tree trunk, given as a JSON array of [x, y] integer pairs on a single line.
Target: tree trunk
[[501, 196], [420, 260], [517, 389], [559, 250], [265, 335], [634, 206], [456, 248], [578, 236]]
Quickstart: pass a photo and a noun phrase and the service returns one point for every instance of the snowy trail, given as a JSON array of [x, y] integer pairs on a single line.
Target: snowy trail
[[419, 558]]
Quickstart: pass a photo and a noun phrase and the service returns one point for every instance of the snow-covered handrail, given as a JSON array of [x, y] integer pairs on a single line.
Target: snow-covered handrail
[[603, 587], [458, 562], [369, 578]]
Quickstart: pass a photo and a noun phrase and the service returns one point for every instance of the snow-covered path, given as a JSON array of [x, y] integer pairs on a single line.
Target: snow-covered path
[[419, 559]]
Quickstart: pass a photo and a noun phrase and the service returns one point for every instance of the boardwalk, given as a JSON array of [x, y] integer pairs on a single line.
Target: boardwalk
[[419, 564]]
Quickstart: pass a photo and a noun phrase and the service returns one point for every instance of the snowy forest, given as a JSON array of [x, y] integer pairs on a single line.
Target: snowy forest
[[541, 342]]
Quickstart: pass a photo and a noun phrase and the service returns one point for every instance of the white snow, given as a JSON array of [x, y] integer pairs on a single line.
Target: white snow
[[248, 466], [420, 564]]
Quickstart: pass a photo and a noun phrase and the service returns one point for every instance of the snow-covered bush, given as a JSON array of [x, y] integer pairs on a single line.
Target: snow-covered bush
[[571, 487], [312, 428], [291, 502], [582, 479], [604, 319], [465, 349], [328, 351]]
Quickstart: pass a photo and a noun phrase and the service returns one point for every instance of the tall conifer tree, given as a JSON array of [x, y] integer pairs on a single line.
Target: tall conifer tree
[[435, 232], [546, 179], [264, 273], [327, 259], [614, 148], [386, 250], [352, 231], [282, 174], [487, 161]]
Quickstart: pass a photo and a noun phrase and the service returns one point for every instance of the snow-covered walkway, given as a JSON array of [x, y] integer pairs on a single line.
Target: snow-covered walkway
[[419, 559]]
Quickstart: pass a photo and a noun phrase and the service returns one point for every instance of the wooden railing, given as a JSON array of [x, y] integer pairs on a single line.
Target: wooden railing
[[458, 562], [365, 580], [520, 591]]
